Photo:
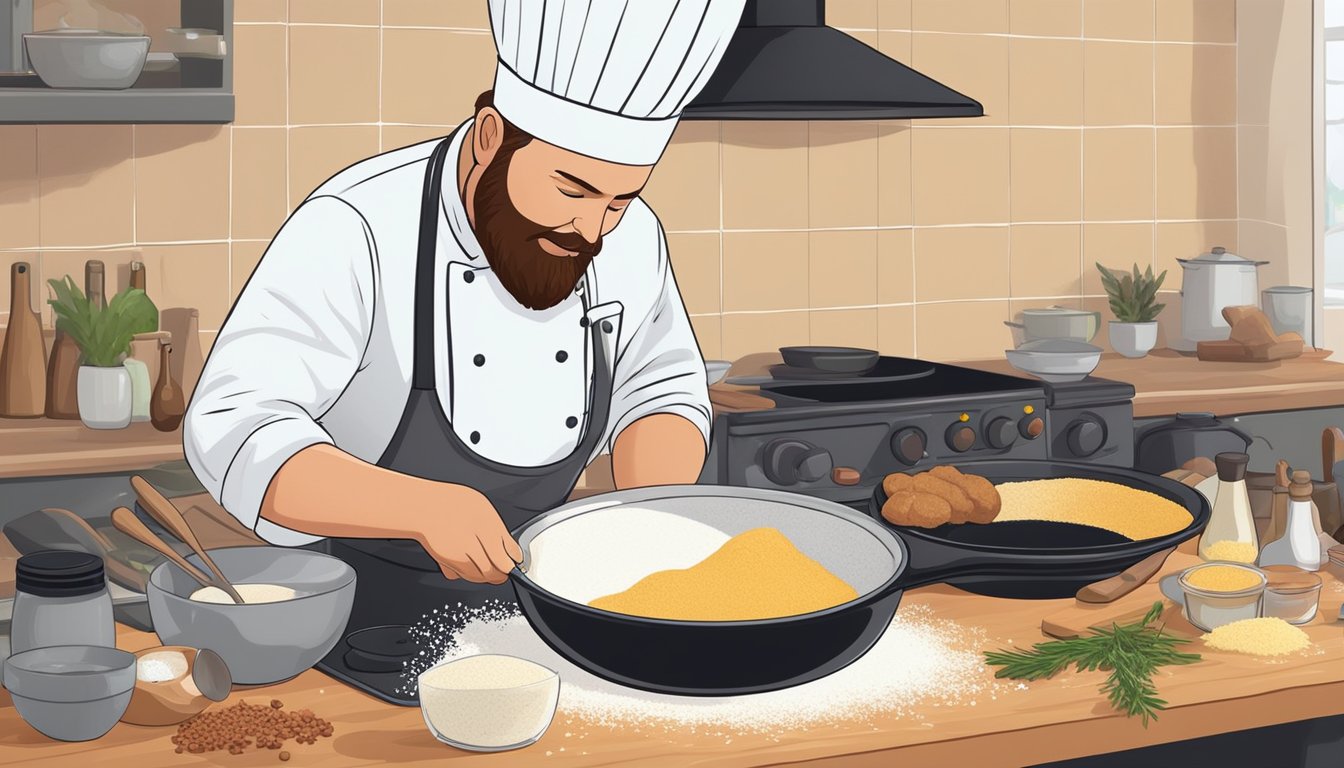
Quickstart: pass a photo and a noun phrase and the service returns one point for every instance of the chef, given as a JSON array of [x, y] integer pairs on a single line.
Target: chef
[[441, 338]]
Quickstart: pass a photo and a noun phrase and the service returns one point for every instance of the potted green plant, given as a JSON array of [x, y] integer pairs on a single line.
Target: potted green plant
[[1133, 300], [103, 335]]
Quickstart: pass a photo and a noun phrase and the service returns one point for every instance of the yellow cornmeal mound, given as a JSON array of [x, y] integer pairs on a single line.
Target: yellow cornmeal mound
[[758, 574], [1258, 637], [1232, 551], [1222, 578], [1127, 511]]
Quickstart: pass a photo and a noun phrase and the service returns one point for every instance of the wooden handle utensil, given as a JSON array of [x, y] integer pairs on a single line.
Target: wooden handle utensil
[[1108, 590], [125, 521], [163, 511]]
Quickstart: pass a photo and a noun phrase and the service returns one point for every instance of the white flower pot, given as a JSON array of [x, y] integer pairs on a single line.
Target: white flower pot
[[104, 396], [1132, 339]]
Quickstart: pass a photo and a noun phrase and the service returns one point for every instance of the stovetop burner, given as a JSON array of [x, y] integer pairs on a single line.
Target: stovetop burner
[[895, 379], [380, 649]]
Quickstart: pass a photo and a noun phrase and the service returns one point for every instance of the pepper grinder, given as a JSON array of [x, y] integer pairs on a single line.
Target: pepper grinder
[[166, 407]]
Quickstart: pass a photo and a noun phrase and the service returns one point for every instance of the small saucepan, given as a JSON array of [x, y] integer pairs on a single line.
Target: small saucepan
[[603, 544], [1057, 323]]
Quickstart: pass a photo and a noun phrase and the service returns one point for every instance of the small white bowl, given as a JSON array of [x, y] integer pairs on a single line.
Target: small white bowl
[[83, 58], [715, 370], [478, 707], [1055, 360]]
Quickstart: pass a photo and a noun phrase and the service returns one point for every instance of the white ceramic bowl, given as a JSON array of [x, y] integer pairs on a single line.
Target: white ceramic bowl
[[1055, 360], [83, 58], [471, 712]]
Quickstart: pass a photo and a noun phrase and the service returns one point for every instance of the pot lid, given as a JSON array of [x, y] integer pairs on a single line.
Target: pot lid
[[1065, 311], [1219, 255], [1288, 289]]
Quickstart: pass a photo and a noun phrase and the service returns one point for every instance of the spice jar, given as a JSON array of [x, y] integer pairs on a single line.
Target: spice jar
[[1300, 545], [61, 598], [1221, 593], [1230, 534], [1292, 594]]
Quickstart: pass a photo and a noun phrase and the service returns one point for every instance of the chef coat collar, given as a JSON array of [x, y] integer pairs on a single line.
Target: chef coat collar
[[454, 210]]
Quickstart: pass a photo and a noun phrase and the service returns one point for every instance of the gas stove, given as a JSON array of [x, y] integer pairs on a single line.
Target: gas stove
[[836, 437]]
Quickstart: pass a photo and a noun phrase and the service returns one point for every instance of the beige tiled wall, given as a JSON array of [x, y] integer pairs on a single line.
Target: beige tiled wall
[[1110, 134]]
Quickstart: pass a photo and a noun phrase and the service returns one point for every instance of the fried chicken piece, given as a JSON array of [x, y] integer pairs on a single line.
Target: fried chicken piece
[[921, 510], [979, 490], [897, 481], [960, 504]]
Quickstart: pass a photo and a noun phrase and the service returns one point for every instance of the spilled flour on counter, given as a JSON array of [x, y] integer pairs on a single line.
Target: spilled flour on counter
[[921, 662]]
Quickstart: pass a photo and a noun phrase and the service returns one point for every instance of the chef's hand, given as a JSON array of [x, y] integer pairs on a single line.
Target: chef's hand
[[468, 539]]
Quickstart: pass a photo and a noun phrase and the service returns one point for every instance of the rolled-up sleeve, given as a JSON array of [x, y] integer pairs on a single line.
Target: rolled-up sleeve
[[291, 344], [660, 368]]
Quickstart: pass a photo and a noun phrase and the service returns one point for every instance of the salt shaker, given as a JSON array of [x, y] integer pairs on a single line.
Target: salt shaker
[[61, 598]]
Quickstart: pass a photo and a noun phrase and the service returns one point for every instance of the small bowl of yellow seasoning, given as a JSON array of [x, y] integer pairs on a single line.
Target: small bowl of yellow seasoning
[[1221, 593]]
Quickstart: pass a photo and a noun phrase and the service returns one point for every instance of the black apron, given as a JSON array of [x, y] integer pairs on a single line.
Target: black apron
[[398, 582]]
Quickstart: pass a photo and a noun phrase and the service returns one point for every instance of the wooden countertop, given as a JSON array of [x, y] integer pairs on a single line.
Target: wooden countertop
[[1048, 720], [1168, 383], [46, 447]]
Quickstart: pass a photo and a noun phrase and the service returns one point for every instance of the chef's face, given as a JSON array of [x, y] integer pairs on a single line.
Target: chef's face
[[541, 211]]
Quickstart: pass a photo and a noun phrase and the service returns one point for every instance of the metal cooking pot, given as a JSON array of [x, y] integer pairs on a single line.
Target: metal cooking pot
[[1057, 323], [1208, 283]]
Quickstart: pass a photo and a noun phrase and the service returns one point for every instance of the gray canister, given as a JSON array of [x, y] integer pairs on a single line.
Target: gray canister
[[61, 598]]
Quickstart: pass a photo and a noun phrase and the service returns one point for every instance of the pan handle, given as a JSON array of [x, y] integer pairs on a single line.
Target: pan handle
[[933, 564]]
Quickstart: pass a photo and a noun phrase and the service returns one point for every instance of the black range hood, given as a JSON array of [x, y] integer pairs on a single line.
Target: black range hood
[[784, 63]]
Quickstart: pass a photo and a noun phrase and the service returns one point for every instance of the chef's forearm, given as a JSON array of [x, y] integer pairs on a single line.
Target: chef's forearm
[[661, 449], [323, 491]]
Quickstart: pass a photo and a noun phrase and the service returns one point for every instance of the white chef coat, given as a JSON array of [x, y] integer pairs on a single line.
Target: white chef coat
[[318, 346]]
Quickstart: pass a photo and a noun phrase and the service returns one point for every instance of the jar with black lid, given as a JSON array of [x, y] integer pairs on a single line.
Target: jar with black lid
[[61, 598]]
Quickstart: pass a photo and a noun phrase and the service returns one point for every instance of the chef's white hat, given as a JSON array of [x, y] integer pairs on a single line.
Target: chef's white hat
[[606, 78]]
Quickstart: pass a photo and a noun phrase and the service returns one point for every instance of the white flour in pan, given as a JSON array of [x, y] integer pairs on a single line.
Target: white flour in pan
[[920, 662]]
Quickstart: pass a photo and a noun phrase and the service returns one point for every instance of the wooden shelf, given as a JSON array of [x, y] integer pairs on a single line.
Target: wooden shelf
[[49, 447]]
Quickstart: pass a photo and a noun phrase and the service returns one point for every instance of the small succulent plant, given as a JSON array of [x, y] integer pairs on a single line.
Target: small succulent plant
[[1133, 297]]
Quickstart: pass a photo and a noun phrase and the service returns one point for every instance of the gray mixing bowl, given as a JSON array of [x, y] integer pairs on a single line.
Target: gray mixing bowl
[[265, 642], [71, 692]]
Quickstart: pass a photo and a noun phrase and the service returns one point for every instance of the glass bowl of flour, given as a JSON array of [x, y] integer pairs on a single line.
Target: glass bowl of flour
[[488, 702]]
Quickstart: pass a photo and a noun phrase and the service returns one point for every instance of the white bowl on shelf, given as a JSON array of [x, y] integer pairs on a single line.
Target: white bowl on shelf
[[86, 58], [1056, 360]]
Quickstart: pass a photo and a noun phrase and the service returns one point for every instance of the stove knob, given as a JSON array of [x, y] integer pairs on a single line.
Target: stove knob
[[960, 437], [790, 461], [909, 445], [1031, 427], [1001, 432], [1085, 437]]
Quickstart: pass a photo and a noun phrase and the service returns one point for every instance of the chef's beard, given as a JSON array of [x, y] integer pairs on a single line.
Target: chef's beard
[[535, 278]]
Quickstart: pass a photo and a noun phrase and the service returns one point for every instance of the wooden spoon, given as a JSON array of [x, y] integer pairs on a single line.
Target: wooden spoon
[[167, 515], [1109, 590], [126, 522]]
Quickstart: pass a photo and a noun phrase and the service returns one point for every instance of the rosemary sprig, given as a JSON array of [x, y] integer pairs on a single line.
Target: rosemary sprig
[[1131, 653]]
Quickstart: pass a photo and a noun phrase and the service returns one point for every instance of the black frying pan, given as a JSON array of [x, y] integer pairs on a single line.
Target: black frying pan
[[723, 658], [831, 360], [1036, 558]]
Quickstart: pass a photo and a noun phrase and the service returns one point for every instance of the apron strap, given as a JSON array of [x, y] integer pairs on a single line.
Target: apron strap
[[422, 376]]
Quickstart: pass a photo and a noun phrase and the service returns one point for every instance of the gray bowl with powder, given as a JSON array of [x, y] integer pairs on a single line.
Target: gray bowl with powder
[[71, 692], [261, 643]]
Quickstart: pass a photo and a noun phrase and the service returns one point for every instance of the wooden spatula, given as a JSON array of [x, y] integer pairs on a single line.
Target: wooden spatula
[[163, 511], [1108, 590]]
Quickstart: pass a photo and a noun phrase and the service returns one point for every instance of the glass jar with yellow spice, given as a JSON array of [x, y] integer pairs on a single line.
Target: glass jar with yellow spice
[[1221, 593], [1230, 535]]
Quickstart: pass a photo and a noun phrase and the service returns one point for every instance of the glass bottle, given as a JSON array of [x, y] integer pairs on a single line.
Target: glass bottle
[[1300, 545], [1230, 534]]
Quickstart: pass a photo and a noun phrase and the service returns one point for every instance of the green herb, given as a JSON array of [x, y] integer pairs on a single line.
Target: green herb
[[1131, 653], [1132, 296], [103, 334]]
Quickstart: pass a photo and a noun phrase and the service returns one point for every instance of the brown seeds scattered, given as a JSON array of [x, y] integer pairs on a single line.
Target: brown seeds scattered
[[244, 725]]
